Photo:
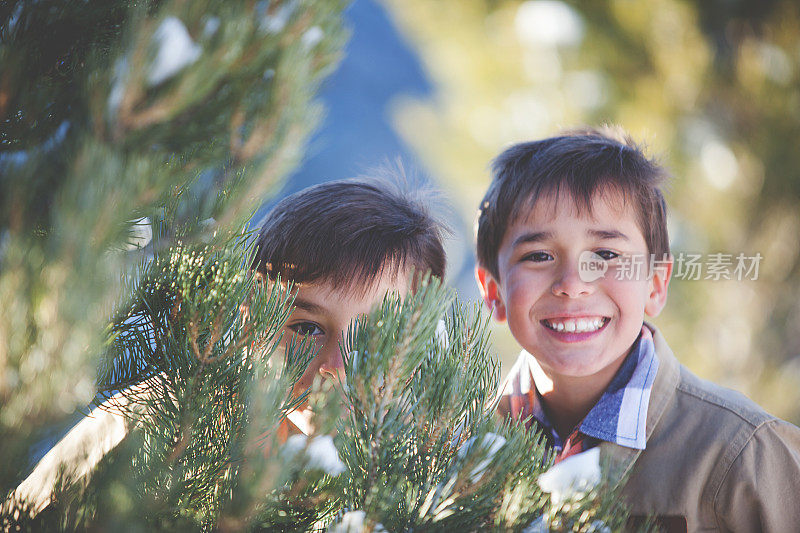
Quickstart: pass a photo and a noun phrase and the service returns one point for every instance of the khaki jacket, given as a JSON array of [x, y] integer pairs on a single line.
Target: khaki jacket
[[714, 460]]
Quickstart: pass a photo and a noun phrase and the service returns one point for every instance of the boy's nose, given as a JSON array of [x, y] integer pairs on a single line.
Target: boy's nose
[[570, 284], [332, 366]]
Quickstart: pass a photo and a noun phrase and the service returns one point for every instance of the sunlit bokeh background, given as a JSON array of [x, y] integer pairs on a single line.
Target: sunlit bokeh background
[[711, 87]]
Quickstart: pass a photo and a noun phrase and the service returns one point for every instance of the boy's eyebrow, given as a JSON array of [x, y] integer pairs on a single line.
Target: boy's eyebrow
[[307, 305], [540, 236], [536, 236], [607, 234]]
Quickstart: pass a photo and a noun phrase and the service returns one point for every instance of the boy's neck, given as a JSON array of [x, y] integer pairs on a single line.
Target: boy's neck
[[568, 399]]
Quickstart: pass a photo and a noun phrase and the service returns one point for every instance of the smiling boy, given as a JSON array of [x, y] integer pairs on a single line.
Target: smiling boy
[[573, 253]]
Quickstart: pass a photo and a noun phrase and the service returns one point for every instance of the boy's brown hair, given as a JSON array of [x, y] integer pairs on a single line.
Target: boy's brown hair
[[581, 163], [347, 232]]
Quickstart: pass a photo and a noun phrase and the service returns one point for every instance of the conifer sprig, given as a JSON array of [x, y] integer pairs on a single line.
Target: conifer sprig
[[419, 377], [204, 336]]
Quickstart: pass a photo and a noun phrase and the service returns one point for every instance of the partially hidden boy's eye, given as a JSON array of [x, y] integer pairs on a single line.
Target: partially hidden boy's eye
[[306, 328]]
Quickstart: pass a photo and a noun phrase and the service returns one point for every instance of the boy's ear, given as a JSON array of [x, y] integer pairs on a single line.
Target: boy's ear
[[659, 283], [490, 292]]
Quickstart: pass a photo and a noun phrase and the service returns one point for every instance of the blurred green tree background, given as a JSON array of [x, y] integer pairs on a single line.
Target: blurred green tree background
[[712, 88]]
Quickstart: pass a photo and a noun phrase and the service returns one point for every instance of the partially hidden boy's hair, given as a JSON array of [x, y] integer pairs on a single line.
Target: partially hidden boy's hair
[[347, 232], [582, 163]]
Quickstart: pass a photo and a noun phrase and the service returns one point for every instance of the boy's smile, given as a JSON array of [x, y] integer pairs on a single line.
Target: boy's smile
[[575, 328]]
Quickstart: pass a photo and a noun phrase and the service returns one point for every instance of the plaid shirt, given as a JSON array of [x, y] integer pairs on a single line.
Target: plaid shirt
[[620, 416]]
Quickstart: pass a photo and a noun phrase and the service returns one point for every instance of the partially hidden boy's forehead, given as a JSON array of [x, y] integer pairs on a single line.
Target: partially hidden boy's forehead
[[351, 277], [393, 277], [359, 280]]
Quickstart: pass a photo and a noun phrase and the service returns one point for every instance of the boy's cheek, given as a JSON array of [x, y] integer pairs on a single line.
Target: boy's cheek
[[522, 294]]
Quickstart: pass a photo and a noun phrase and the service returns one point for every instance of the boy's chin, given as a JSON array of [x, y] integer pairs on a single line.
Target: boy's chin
[[583, 367]]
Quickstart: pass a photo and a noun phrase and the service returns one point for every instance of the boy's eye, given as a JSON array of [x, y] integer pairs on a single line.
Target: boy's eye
[[537, 257], [306, 328], [608, 255]]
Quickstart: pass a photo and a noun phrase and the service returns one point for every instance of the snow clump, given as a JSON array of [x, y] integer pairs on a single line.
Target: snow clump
[[312, 36], [141, 233], [353, 522], [176, 51], [573, 477], [493, 442], [320, 453], [275, 22]]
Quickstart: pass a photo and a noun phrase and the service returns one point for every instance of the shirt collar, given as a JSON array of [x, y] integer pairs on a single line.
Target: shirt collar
[[620, 416]]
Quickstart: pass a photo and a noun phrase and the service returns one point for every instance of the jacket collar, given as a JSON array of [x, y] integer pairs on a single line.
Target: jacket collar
[[620, 459], [620, 415]]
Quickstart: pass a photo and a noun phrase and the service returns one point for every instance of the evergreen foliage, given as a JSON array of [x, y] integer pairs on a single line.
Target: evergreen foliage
[[165, 113]]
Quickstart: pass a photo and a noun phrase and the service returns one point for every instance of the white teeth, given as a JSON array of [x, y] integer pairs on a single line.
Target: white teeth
[[580, 325]]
